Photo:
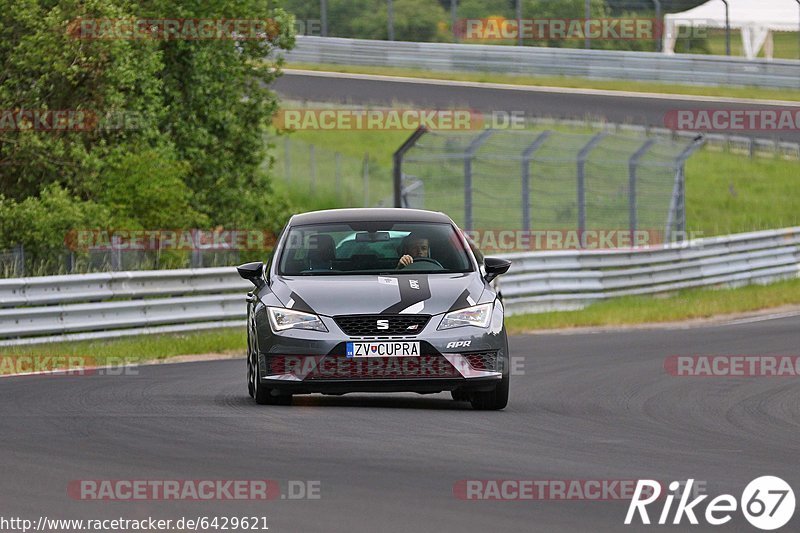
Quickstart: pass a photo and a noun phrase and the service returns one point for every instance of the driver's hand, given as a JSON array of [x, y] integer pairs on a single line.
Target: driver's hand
[[405, 261]]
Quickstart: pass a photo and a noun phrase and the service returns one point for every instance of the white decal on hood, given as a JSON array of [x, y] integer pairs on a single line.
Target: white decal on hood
[[413, 309]]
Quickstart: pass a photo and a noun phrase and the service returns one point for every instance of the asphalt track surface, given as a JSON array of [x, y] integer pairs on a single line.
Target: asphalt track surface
[[624, 109], [588, 406]]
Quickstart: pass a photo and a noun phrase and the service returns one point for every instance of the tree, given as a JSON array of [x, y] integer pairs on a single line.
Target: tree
[[165, 131]]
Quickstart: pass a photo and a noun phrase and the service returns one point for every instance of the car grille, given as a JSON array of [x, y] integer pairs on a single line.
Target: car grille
[[482, 360], [367, 325]]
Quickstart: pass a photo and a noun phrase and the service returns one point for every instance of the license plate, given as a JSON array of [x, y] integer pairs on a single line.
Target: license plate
[[382, 349]]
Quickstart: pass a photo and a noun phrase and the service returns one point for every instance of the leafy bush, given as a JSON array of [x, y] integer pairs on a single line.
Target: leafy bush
[[173, 132]]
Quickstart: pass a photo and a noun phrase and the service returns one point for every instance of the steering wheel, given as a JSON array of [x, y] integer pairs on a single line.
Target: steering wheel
[[418, 260]]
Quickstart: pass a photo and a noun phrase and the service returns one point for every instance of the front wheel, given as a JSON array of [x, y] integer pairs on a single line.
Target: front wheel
[[261, 394], [492, 400]]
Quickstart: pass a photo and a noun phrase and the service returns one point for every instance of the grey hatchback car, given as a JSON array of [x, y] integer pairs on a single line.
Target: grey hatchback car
[[376, 300]]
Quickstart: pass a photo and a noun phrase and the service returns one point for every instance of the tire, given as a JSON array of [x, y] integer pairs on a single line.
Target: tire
[[263, 395], [492, 400], [250, 370], [460, 395], [496, 399]]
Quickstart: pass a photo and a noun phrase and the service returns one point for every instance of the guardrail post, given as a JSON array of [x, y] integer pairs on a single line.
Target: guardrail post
[[527, 155], [632, 197], [468, 156], [397, 159], [582, 157]]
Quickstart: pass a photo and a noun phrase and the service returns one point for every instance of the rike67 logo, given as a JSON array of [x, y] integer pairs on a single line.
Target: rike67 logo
[[767, 503]]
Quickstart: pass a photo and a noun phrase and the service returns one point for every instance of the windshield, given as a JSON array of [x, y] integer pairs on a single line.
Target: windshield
[[373, 248]]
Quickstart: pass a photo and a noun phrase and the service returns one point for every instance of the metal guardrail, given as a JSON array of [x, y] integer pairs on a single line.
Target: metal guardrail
[[53, 308], [565, 280], [537, 61], [111, 304]]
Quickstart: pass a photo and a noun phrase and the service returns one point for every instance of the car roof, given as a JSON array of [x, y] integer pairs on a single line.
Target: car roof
[[368, 214]]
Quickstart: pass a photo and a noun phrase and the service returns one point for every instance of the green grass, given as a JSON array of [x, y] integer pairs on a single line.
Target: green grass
[[727, 193], [786, 44], [134, 349], [568, 82], [683, 305]]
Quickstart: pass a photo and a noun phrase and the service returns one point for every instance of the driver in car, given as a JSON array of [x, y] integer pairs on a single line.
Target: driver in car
[[413, 246]]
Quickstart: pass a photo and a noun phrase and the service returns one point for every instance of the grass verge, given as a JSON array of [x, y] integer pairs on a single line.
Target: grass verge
[[128, 350], [683, 305], [757, 93]]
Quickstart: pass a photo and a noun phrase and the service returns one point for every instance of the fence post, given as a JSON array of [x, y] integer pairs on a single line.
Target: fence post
[[390, 19], [116, 254], [582, 157], [660, 23], [323, 14], [587, 43], [454, 19], [468, 156], [633, 164], [527, 155], [197, 256], [338, 172], [397, 159], [677, 207], [19, 261], [287, 160], [365, 172], [313, 166]]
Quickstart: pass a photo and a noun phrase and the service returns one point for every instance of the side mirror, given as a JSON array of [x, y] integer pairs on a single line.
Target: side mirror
[[495, 267], [252, 272]]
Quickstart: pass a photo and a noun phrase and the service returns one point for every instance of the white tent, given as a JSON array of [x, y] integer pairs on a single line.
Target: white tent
[[756, 19]]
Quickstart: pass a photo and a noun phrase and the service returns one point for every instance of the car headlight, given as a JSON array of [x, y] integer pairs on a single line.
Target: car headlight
[[477, 315], [282, 319]]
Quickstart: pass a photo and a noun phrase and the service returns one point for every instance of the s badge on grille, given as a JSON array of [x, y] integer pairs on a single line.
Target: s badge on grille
[[382, 324], [413, 327]]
